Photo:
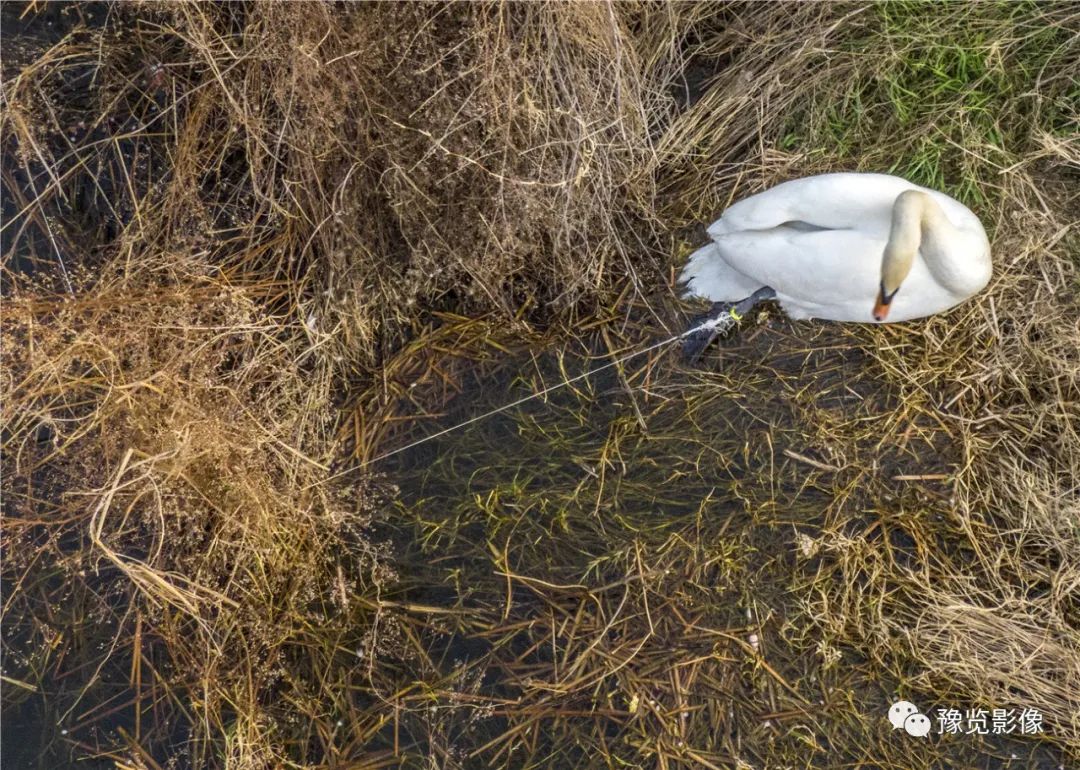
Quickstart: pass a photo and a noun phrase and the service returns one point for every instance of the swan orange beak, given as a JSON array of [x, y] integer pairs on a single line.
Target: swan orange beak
[[881, 305], [881, 309]]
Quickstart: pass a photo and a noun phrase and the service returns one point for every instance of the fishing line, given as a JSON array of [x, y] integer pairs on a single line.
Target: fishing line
[[720, 323], [724, 320]]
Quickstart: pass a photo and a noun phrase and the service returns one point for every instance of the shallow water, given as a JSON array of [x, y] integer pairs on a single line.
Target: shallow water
[[557, 491], [562, 491], [101, 161], [83, 213]]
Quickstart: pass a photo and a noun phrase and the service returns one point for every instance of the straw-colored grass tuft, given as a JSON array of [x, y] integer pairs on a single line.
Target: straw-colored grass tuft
[[169, 524]]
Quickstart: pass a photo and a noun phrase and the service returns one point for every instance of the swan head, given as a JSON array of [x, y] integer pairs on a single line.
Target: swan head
[[904, 240], [957, 258]]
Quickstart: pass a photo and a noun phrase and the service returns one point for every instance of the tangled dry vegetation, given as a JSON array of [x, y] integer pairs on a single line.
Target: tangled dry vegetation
[[253, 244]]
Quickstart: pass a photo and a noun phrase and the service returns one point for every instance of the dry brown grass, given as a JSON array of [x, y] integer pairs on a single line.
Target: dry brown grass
[[167, 505], [314, 229]]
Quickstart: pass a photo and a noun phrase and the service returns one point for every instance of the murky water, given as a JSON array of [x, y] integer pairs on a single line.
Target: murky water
[[56, 218], [555, 489]]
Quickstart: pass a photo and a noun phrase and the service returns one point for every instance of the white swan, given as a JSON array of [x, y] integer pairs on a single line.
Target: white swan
[[829, 244]]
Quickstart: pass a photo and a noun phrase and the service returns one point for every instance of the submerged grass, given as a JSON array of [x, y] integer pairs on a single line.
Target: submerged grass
[[296, 237]]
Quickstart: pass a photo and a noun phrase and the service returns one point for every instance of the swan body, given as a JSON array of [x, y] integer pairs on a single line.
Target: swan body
[[829, 244]]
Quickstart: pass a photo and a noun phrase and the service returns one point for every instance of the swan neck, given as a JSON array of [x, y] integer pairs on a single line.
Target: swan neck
[[920, 226]]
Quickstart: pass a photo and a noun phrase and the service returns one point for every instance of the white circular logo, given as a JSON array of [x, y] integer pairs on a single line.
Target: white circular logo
[[917, 725], [900, 711]]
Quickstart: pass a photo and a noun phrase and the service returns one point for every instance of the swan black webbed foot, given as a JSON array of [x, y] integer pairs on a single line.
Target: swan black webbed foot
[[713, 322]]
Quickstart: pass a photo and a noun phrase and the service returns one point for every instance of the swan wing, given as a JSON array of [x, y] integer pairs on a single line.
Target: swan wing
[[814, 267], [827, 201]]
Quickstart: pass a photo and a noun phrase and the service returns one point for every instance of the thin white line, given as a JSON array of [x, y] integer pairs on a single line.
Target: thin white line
[[530, 397], [711, 323]]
